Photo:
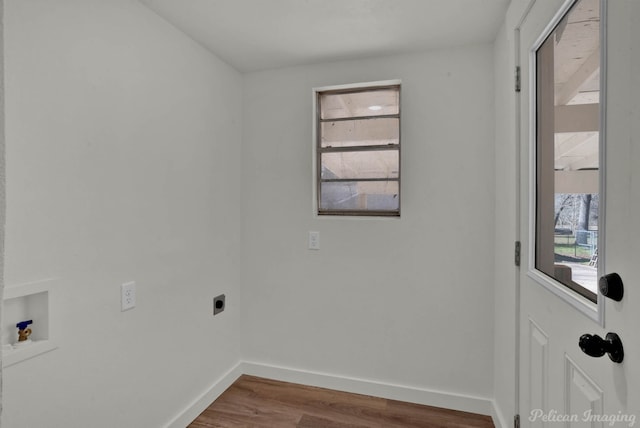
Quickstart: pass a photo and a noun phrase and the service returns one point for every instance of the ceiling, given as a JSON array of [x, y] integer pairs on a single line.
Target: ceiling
[[256, 35]]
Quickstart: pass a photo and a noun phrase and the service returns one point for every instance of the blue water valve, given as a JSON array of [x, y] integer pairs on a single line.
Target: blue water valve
[[23, 324], [24, 331]]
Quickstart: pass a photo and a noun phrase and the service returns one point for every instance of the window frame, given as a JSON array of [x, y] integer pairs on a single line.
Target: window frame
[[318, 150]]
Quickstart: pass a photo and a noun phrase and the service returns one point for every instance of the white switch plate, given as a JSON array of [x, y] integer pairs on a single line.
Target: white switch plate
[[314, 240], [128, 294]]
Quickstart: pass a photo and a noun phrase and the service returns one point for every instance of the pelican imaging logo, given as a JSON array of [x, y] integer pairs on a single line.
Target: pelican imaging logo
[[617, 419]]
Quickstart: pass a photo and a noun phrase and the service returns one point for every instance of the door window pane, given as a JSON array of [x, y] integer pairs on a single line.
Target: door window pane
[[567, 150]]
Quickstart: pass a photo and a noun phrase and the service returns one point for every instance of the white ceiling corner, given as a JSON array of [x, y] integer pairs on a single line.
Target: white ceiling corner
[[255, 35]]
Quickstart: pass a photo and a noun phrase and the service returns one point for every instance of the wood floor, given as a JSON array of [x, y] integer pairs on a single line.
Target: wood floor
[[257, 402]]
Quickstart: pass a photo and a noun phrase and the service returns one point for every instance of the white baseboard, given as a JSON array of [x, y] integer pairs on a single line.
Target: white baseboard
[[448, 400], [205, 399], [465, 403]]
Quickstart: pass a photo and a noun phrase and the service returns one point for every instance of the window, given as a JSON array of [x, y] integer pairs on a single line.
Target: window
[[568, 159], [358, 151]]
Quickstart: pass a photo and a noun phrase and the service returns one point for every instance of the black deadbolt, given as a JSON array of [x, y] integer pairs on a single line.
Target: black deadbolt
[[595, 346], [611, 286]]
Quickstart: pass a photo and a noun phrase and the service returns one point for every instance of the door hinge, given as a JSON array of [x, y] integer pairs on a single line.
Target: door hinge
[[516, 258], [516, 421], [518, 79]]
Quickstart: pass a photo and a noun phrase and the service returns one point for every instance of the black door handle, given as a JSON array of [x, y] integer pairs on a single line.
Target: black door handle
[[610, 286], [596, 346]]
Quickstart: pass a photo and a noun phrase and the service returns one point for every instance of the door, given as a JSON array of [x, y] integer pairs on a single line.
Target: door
[[579, 207]]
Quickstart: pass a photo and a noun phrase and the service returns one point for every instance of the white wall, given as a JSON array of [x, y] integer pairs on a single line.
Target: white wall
[[123, 147], [409, 301], [125, 163]]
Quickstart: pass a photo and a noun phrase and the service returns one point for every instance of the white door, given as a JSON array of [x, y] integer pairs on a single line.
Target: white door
[[579, 212]]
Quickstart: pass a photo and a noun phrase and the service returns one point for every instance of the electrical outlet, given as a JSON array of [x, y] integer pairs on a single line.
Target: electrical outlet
[[128, 295], [218, 304], [314, 240]]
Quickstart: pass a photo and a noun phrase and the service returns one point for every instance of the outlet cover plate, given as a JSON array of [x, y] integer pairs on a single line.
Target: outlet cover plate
[[128, 296], [314, 240], [218, 304]]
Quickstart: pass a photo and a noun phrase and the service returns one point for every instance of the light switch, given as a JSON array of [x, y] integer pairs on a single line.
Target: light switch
[[314, 240]]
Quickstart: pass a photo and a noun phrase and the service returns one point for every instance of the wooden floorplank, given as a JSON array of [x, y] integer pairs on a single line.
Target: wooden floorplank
[[291, 393], [320, 402], [257, 402], [308, 421], [417, 415], [241, 408]]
